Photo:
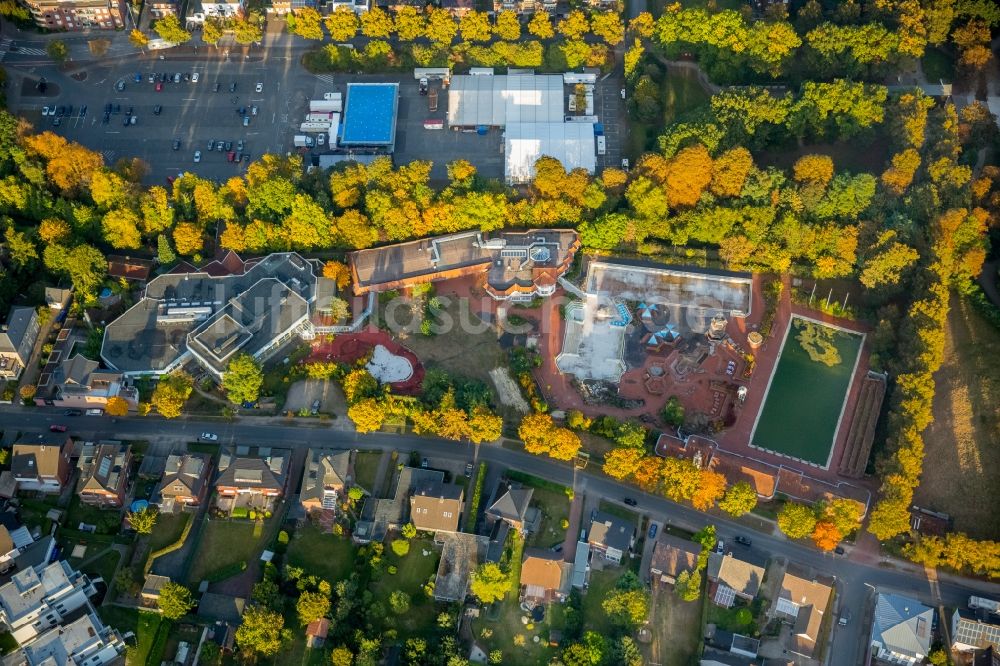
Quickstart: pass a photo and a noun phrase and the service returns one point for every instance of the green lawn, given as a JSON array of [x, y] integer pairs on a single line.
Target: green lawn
[[498, 626], [84, 513], [413, 571], [805, 399], [365, 469], [594, 617], [620, 511], [144, 625], [7, 643], [225, 543], [104, 566], [680, 92], [938, 65], [555, 509], [738, 619], [168, 529], [325, 555]]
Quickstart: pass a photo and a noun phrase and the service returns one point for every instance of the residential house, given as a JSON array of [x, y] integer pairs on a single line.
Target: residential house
[[461, 553], [223, 8], [901, 630], [974, 629], [611, 536], [75, 15], [104, 472], [41, 597], [41, 463], [458, 8], [18, 335], [732, 577], [316, 632], [803, 604], [185, 481], [436, 506], [251, 483], [14, 538], [671, 556], [161, 8], [380, 514], [325, 480], [511, 507], [544, 577], [80, 383]]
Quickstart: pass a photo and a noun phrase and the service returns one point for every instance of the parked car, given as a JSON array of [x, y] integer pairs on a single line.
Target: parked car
[[157, 110], [230, 156], [253, 110], [56, 122], [177, 144], [125, 121], [242, 111], [239, 146], [55, 427], [194, 77], [321, 140], [208, 437], [720, 546], [133, 119], [152, 78], [630, 501], [845, 617], [108, 108], [625, 164], [197, 156], [246, 121], [229, 145], [623, 93], [72, 412], [423, 86], [839, 550], [468, 470], [211, 144], [258, 88], [424, 463], [159, 87], [232, 87], [316, 403], [138, 77], [45, 110], [652, 530], [177, 77], [743, 541], [187, 77], [120, 86]]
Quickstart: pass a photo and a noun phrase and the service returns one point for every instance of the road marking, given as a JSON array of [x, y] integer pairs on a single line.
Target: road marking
[[190, 99]]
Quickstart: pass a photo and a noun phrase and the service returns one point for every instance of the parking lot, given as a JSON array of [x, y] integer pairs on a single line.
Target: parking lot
[[195, 115]]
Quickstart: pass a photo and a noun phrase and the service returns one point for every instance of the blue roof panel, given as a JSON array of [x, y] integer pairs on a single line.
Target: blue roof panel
[[370, 114]]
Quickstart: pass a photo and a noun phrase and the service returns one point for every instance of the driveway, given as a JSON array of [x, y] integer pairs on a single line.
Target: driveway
[[301, 395]]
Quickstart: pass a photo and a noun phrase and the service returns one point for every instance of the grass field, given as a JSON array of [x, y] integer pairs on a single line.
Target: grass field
[[413, 571], [963, 443], [325, 555], [104, 566], [805, 400], [455, 350], [144, 625], [168, 529], [676, 628], [365, 469], [224, 543], [681, 92]]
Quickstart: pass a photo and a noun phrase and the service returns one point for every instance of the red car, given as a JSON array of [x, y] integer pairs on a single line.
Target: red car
[[159, 86], [57, 428], [231, 156]]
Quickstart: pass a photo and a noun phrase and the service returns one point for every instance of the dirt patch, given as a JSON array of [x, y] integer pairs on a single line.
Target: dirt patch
[[468, 347], [964, 440], [676, 628], [508, 391]]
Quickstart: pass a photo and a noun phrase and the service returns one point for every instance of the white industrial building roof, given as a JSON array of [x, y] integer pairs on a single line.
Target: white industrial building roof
[[501, 100], [570, 143]]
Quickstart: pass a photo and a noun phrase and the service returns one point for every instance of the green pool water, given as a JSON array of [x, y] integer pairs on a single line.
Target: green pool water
[[802, 407]]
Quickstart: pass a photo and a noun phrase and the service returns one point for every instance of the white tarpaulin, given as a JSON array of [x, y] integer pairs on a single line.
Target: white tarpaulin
[[496, 101], [570, 143]]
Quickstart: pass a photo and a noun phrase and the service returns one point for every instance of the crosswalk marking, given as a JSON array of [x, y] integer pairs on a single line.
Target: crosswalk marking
[[7, 42], [109, 156], [325, 78]]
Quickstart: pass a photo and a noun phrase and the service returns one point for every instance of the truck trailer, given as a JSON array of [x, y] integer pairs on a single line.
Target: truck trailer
[[302, 141], [327, 105]]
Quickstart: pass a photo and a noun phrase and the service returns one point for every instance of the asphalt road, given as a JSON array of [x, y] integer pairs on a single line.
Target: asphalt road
[[855, 580]]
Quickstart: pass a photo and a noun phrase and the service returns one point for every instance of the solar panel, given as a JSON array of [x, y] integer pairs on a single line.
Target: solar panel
[[105, 467]]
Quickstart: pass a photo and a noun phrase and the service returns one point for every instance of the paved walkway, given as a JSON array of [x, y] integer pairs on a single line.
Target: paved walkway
[[573, 531]]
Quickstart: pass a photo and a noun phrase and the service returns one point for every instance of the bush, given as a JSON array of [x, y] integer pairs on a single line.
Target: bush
[[239, 512], [401, 547], [392, 569], [283, 537]]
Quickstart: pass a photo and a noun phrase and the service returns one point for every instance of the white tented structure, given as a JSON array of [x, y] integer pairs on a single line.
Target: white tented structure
[[496, 101], [570, 143]]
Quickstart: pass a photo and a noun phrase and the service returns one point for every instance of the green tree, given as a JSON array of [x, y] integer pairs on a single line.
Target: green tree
[[376, 23], [164, 253], [507, 26], [57, 50], [20, 248], [740, 499], [169, 28], [540, 26], [401, 547], [489, 583], [342, 24], [608, 26], [175, 601], [243, 379], [211, 31], [267, 594], [399, 602], [85, 265], [260, 631], [440, 27], [144, 520], [796, 521], [475, 27], [306, 23], [312, 606]]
